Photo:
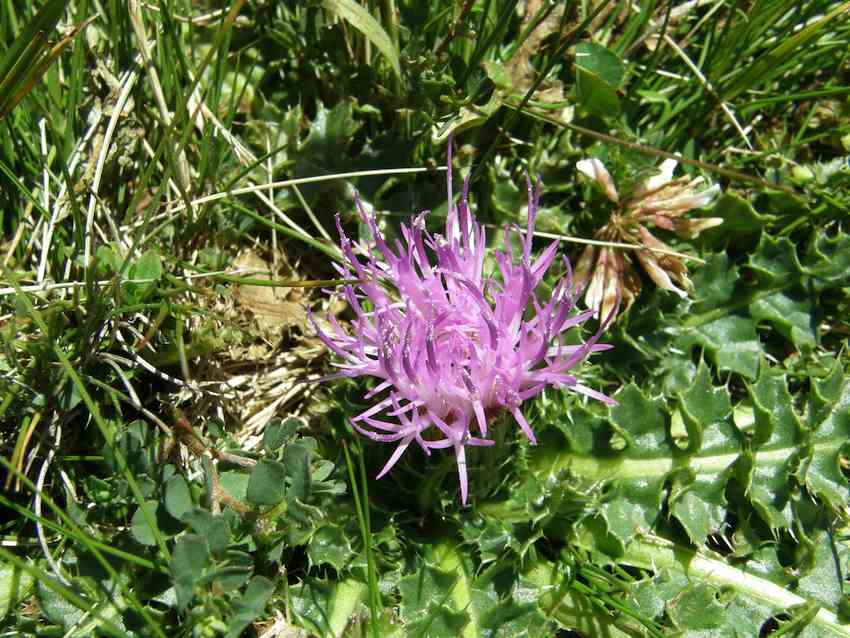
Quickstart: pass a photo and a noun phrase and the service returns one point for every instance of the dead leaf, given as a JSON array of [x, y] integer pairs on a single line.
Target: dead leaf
[[274, 309]]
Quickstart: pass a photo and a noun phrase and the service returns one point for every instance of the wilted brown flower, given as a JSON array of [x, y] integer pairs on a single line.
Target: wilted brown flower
[[659, 202]]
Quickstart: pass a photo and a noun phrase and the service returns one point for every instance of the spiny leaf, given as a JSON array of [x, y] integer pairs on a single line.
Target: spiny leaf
[[327, 607], [698, 500], [730, 341], [738, 214], [714, 283], [829, 261], [486, 602], [426, 607], [777, 433], [794, 314], [775, 260], [332, 545], [829, 444]]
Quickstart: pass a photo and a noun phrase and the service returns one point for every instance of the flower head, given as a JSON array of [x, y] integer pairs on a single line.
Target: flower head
[[659, 201], [451, 346]]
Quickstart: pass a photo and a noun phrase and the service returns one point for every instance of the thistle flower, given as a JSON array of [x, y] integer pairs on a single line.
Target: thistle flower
[[450, 345], [659, 201]]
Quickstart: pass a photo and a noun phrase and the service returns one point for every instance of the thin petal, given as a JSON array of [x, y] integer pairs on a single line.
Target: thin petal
[[595, 170]]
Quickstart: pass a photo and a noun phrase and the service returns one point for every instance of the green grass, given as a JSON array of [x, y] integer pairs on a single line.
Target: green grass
[[168, 184]]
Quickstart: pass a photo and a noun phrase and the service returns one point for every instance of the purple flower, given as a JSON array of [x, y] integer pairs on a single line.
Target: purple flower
[[453, 347]]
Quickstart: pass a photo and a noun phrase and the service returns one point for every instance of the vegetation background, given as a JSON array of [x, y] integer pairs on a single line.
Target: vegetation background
[[168, 468]]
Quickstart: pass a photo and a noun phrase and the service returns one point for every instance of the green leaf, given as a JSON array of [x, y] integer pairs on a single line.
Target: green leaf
[[57, 609], [331, 545], [250, 605], [296, 462], [698, 501], [730, 341], [279, 432], [27, 58], [178, 498], [363, 21], [267, 484], [215, 529], [703, 404], [714, 283], [738, 215], [326, 607], [793, 314], [139, 526], [426, 607], [823, 579], [776, 435], [775, 260], [722, 598], [596, 95], [626, 465], [829, 262], [235, 483], [600, 61], [830, 440], [145, 274], [188, 562], [15, 586]]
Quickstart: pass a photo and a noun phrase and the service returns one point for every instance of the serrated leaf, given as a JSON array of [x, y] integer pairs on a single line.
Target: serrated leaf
[[730, 341], [722, 599], [823, 579], [634, 504], [829, 443], [696, 608], [426, 603], [331, 545], [714, 283], [699, 503], [738, 214], [492, 535], [776, 422], [629, 477], [793, 313], [775, 260], [829, 262], [704, 405], [776, 435], [505, 616], [267, 483], [326, 607]]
